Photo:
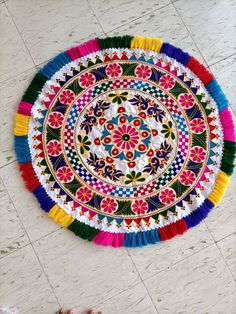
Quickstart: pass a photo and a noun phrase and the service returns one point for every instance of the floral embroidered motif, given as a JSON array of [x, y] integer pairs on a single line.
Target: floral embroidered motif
[[86, 79], [66, 97], [197, 125], [167, 196], [134, 177], [113, 70], [186, 101], [109, 205], [197, 154], [143, 71], [84, 143], [54, 148], [126, 137], [187, 177], [64, 174], [167, 82], [55, 119], [139, 207], [118, 97], [84, 194]]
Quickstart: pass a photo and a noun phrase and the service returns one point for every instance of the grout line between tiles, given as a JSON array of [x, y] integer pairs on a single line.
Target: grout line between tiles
[[146, 14], [91, 8], [20, 34], [190, 34], [142, 281], [225, 58], [31, 244]]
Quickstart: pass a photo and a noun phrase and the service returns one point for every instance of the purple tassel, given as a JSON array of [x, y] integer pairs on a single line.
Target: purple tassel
[[199, 214], [45, 201], [176, 53]]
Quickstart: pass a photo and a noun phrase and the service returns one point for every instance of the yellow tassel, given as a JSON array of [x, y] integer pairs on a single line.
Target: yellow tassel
[[221, 183], [60, 216], [146, 43], [21, 124]]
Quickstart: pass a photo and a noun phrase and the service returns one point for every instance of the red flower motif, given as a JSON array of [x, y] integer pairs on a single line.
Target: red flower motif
[[86, 80], [186, 101], [197, 154], [84, 194], [126, 137], [143, 71], [167, 196], [109, 205], [54, 148], [113, 70], [197, 125], [167, 81], [187, 177], [64, 174], [139, 207], [67, 97], [55, 119]]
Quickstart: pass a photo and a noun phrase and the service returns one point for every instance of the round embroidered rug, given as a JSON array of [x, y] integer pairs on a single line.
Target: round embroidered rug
[[125, 141]]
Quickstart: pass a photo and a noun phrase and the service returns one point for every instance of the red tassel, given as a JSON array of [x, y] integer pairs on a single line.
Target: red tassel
[[29, 176], [168, 232], [199, 69]]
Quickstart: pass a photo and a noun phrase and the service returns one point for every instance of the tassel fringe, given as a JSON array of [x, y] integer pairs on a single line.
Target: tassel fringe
[[44, 200], [82, 230], [229, 155], [115, 42], [175, 53], [21, 124], [22, 149], [199, 69], [217, 94], [168, 232], [221, 183], [108, 238], [84, 49], [24, 108], [199, 214], [30, 179], [153, 44], [60, 216], [34, 88], [55, 65]]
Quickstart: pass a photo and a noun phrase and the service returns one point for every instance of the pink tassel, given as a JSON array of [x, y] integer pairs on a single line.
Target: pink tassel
[[84, 49], [228, 125], [25, 108], [109, 238]]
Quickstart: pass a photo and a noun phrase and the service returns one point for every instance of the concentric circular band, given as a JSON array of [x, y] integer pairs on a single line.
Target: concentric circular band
[[125, 141]]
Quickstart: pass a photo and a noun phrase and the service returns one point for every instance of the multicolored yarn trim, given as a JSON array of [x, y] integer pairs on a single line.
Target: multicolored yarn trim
[[134, 66]]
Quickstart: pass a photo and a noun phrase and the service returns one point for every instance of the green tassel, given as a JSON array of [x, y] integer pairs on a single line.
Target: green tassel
[[115, 42], [34, 88], [83, 231], [229, 154]]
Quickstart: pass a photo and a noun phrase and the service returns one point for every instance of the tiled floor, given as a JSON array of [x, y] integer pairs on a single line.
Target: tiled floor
[[43, 267]]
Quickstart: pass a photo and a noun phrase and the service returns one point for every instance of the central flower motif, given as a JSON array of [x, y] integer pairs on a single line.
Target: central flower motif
[[126, 137]]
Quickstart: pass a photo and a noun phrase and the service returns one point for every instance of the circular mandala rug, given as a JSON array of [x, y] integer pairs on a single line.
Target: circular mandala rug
[[125, 141]]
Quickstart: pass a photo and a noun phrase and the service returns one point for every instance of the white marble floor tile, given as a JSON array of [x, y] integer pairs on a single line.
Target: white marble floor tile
[[199, 284], [212, 25], [112, 14], [222, 220], [132, 301], [81, 273], [49, 27], [11, 92], [12, 235], [227, 247], [35, 221], [152, 259], [23, 284], [14, 57], [225, 73], [164, 23]]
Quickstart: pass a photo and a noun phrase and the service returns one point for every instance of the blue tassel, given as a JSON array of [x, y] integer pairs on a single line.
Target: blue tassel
[[199, 214], [53, 66], [176, 53], [142, 238], [45, 201], [216, 92], [22, 149]]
